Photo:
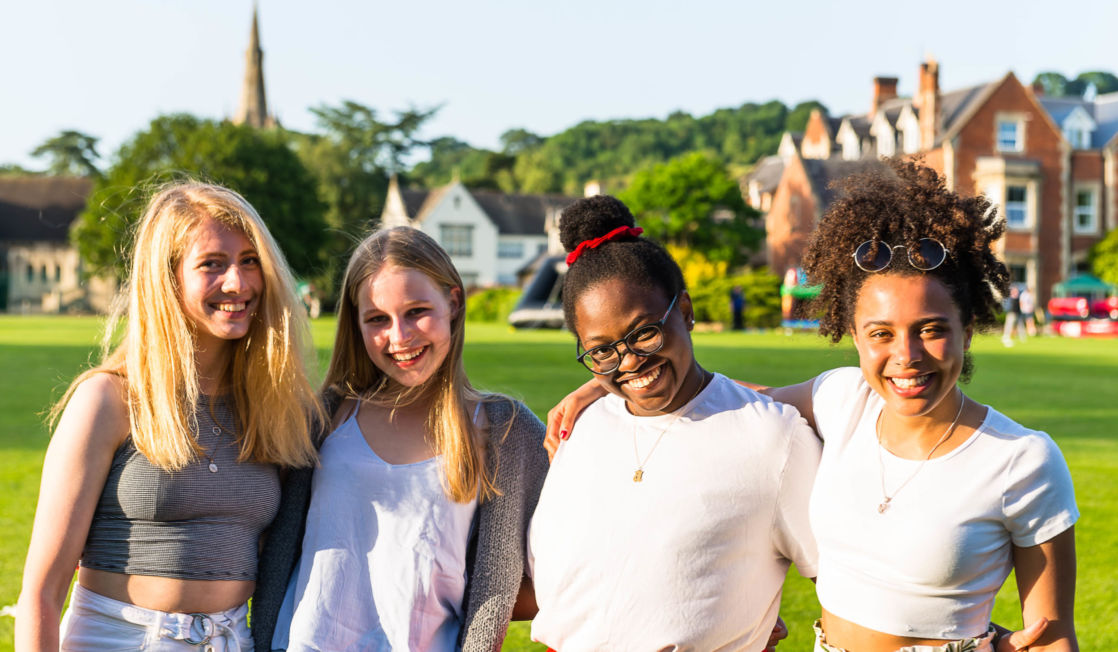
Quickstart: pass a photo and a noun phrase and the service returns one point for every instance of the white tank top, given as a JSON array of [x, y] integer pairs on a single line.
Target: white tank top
[[383, 564]]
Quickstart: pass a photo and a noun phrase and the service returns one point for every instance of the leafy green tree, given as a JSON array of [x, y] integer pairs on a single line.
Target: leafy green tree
[[1104, 82], [258, 164], [1104, 257], [70, 153], [352, 159], [1053, 84], [16, 170], [691, 201], [518, 140]]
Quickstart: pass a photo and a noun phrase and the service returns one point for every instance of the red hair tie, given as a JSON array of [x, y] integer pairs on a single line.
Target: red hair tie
[[594, 243]]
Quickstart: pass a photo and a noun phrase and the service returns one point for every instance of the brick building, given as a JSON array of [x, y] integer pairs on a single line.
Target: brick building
[[1048, 163]]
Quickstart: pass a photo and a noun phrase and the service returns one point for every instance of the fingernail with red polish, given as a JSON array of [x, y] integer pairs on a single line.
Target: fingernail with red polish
[[563, 434]]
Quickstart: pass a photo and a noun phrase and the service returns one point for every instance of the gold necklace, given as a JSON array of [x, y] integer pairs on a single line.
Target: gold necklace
[[881, 463], [638, 476]]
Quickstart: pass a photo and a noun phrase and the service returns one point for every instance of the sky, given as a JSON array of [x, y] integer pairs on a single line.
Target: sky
[[107, 68]]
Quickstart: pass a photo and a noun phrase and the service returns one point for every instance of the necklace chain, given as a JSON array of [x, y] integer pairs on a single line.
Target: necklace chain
[[886, 498], [638, 475]]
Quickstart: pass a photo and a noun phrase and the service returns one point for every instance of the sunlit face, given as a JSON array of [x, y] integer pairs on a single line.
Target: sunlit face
[[221, 283], [611, 310], [911, 342], [405, 323]]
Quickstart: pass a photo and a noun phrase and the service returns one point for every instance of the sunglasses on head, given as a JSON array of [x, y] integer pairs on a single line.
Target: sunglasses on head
[[925, 254]]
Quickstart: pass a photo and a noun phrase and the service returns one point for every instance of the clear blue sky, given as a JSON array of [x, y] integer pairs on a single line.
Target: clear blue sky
[[108, 67]]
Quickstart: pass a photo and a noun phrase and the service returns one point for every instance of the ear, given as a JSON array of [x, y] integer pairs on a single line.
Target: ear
[[687, 310], [968, 333], [456, 303]]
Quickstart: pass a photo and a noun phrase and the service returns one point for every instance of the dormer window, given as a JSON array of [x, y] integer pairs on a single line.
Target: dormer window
[[1078, 128], [1010, 134]]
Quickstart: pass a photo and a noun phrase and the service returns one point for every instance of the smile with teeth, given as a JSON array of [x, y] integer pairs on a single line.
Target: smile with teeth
[[909, 383], [404, 356], [641, 382], [231, 307]]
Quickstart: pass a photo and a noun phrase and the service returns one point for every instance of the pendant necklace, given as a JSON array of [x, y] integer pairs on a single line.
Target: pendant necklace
[[886, 498], [638, 476], [210, 455]]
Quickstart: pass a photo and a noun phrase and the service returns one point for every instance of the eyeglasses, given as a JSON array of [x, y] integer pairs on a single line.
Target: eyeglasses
[[925, 255], [642, 341]]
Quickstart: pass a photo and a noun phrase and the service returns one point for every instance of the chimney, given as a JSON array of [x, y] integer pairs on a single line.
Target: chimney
[[884, 88], [927, 101]]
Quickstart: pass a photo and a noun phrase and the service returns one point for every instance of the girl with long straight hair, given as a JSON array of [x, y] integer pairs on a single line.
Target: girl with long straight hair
[[162, 471], [411, 532]]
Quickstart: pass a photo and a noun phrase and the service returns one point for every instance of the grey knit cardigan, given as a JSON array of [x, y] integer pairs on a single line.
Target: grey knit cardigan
[[497, 548]]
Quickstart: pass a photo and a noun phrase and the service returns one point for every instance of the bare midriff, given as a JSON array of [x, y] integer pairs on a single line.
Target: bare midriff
[[844, 634], [166, 593]]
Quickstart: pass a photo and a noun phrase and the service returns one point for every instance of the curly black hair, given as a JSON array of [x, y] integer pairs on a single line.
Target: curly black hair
[[899, 205], [642, 263]]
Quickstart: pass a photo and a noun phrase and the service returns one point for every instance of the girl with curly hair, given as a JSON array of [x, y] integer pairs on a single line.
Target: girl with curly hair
[[925, 499]]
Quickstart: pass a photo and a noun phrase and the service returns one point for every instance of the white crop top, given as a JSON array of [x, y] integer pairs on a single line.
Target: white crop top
[[930, 565], [383, 563]]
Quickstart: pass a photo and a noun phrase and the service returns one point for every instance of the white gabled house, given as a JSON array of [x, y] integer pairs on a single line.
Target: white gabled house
[[489, 235]]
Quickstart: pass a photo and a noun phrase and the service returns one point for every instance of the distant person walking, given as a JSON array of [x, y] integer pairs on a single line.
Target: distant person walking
[[1011, 304], [1027, 303], [737, 307]]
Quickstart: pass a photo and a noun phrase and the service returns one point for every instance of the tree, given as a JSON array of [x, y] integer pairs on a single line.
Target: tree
[[518, 140], [1104, 82], [1104, 257], [258, 164], [1053, 84], [352, 160], [70, 153], [691, 201]]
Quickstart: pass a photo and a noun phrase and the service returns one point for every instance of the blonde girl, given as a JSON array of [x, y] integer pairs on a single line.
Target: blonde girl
[[411, 532], [161, 473]]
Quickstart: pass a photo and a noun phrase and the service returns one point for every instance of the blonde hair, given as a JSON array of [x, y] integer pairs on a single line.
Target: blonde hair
[[352, 373], [273, 400]]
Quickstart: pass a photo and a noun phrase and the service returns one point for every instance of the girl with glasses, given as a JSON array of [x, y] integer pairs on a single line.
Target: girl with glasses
[[162, 471], [670, 522], [925, 499], [410, 534]]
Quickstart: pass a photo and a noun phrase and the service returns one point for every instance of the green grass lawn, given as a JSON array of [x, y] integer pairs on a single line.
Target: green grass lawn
[[1068, 388]]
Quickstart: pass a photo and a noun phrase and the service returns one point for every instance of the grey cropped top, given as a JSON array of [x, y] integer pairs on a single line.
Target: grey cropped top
[[202, 522]]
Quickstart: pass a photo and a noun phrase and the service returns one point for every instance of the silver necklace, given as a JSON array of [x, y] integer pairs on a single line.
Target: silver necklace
[[886, 498], [638, 476], [210, 455]]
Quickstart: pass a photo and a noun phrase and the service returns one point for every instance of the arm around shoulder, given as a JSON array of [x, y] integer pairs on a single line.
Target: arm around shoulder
[[92, 426]]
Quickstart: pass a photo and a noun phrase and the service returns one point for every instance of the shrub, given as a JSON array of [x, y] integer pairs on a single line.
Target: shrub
[[491, 305]]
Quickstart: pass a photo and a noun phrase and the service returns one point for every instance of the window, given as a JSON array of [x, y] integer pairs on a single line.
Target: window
[[30, 273], [1018, 273], [457, 239], [1085, 212], [510, 249], [1078, 138], [1017, 207], [57, 273], [43, 273], [1009, 136]]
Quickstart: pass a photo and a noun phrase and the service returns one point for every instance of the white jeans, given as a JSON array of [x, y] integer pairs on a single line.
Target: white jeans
[[94, 622]]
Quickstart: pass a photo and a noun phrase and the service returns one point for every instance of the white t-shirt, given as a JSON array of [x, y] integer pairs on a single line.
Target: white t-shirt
[[384, 555], [929, 566], [693, 557]]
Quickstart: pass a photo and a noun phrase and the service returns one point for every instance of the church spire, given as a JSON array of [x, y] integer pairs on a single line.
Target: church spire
[[253, 108]]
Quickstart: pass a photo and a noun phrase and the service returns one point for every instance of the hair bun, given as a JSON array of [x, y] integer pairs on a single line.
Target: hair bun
[[591, 218]]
